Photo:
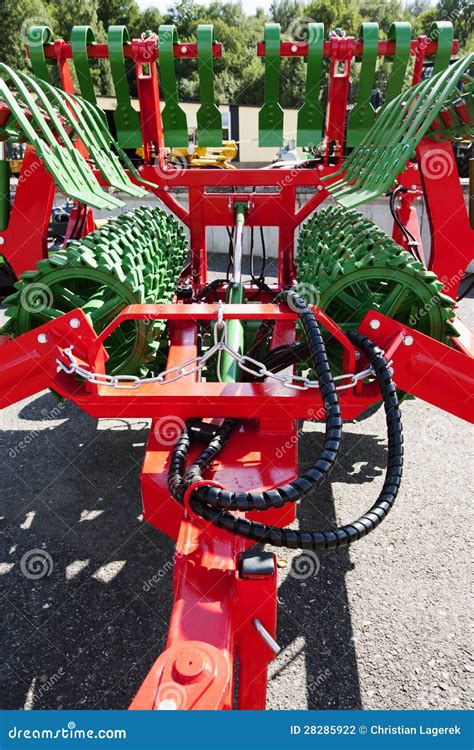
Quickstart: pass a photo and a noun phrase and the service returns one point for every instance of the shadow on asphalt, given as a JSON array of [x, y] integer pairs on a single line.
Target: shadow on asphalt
[[313, 598], [85, 635]]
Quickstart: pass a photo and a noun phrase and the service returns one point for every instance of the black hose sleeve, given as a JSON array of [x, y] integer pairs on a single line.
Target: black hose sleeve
[[246, 501], [344, 535]]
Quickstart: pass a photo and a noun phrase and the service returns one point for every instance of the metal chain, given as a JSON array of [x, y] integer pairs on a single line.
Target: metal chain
[[246, 363]]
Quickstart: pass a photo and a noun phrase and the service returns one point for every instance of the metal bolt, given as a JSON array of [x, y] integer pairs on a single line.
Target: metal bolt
[[319, 187], [408, 340], [42, 338], [374, 324], [294, 48], [2, 240], [320, 167], [74, 322], [184, 49]]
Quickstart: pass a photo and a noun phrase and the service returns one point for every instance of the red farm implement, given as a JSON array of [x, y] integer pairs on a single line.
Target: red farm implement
[[124, 323]]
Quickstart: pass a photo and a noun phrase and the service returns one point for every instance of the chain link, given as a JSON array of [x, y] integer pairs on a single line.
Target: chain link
[[256, 368], [196, 364]]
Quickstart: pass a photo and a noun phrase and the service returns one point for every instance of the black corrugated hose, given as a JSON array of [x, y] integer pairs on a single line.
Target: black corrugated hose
[[214, 504]]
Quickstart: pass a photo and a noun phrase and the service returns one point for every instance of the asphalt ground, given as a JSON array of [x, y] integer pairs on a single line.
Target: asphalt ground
[[382, 625]]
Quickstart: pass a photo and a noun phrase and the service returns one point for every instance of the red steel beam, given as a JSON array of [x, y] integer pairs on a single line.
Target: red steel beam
[[133, 50], [439, 374], [385, 48]]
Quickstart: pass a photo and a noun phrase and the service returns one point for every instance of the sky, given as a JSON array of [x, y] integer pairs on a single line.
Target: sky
[[248, 5]]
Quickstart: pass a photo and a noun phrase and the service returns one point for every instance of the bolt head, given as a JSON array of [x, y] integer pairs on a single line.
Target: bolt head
[[42, 338], [294, 48], [2, 240], [374, 324], [74, 322], [184, 49], [408, 340]]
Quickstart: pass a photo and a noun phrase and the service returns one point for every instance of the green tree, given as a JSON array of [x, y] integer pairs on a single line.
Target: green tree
[[16, 17]]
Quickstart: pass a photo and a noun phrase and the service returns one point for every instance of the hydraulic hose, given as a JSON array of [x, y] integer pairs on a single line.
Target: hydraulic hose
[[214, 504], [245, 501]]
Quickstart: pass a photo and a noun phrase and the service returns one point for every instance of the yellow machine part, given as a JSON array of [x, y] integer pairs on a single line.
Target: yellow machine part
[[217, 158]]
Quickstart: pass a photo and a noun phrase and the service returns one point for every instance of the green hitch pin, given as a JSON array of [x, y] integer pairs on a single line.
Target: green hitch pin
[[4, 188], [229, 371]]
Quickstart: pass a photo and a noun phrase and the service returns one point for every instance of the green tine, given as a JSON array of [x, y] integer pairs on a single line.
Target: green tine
[[81, 37], [71, 174], [400, 33], [209, 118], [443, 33], [401, 125], [98, 142], [38, 36], [270, 118], [88, 125], [127, 119], [173, 116], [74, 155], [362, 116], [310, 114]]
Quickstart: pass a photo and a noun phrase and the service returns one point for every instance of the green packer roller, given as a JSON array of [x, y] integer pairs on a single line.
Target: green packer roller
[[352, 267], [135, 258]]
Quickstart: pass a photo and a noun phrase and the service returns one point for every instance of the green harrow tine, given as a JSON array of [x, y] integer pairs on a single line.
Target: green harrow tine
[[175, 125], [65, 163], [456, 120], [270, 118], [68, 145], [401, 125], [97, 141], [57, 120], [127, 119], [400, 33], [443, 33], [81, 37], [37, 37], [209, 118], [362, 116], [310, 114]]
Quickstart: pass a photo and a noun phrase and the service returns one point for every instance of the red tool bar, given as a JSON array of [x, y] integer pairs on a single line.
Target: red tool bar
[[385, 48], [205, 312], [100, 51], [235, 177]]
